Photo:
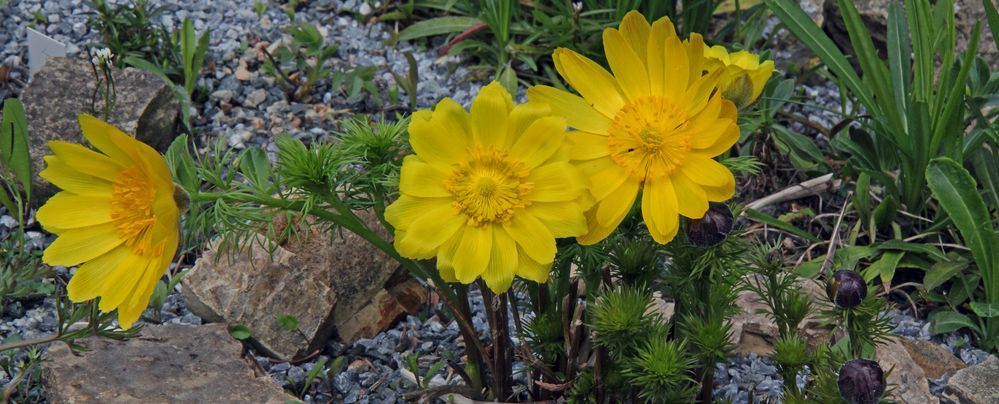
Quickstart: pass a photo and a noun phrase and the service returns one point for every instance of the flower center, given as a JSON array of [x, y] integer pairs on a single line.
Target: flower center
[[649, 137], [132, 197], [489, 185]]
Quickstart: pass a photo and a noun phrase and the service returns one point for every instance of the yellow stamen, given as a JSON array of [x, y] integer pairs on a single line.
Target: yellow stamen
[[133, 193], [649, 137], [489, 186]]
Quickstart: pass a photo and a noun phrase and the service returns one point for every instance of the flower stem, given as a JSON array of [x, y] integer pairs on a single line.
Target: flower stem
[[29, 342]]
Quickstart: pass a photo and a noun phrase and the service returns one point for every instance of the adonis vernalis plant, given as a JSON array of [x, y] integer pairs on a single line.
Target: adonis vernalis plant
[[653, 126], [116, 217], [487, 191]]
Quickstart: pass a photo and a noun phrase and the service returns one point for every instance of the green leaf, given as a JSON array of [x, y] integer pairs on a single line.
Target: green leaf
[[766, 219], [801, 148], [941, 272], [239, 331], [912, 247], [438, 26], [179, 92], [950, 321], [255, 166], [993, 17], [899, 50], [883, 267], [985, 310], [187, 52], [508, 78], [958, 195], [288, 322], [181, 164], [14, 152], [796, 21]]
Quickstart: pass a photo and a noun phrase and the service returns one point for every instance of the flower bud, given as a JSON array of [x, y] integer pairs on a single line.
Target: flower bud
[[711, 229], [847, 289], [861, 381]]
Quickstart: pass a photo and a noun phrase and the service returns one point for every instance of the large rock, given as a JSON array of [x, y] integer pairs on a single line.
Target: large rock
[[325, 280], [933, 358], [145, 106], [976, 384], [168, 363], [907, 377]]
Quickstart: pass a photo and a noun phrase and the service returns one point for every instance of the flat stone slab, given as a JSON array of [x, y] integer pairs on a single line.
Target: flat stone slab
[[164, 364], [977, 384]]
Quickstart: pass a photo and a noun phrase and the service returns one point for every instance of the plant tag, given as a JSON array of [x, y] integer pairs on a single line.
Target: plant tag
[[41, 47]]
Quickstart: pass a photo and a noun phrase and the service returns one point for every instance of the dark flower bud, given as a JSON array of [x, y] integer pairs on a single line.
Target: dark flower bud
[[711, 229], [847, 289], [861, 381]]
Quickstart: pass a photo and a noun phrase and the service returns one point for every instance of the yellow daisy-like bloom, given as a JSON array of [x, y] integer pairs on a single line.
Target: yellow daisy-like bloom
[[654, 126], [743, 75], [487, 191], [116, 215]]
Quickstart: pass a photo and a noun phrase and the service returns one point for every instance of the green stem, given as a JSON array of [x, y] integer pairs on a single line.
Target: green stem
[[29, 342]]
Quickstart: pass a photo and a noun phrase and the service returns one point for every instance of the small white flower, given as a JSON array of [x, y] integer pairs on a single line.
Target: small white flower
[[577, 6]]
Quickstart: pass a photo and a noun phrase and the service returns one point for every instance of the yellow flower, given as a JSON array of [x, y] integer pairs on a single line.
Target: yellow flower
[[487, 191], [115, 215], [654, 126], [743, 75]]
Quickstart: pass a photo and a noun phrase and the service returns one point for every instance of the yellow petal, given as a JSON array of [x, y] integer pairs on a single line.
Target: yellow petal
[[628, 68], [69, 211], [407, 209], [579, 114], [603, 183], [502, 262], [473, 253], [705, 171], [564, 219], [532, 235], [445, 257], [108, 139], [531, 269], [635, 29], [75, 246], [85, 160], [597, 232], [656, 54], [690, 197], [539, 141], [595, 84], [613, 208], [120, 283], [555, 182], [695, 56], [587, 146], [720, 193], [425, 234], [523, 116], [490, 111], [418, 178], [717, 138], [130, 310], [71, 180], [90, 278], [700, 89], [432, 141], [677, 69], [659, 210]]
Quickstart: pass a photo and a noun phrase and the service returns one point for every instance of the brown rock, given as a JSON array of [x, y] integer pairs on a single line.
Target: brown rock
[[934, 359], [324, 280], [906, 375], [145, 106], [976, 384], [168, 363], [383, 309]]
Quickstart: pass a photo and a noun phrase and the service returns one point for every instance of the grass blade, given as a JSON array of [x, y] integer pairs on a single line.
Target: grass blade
[[14, 154], [437, 26]]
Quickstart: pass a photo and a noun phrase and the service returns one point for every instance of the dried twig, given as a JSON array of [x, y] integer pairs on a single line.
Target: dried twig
[[806, 188]]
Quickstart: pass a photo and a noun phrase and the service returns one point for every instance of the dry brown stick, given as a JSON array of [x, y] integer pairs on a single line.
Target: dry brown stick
[[806, 188], [834, 239]]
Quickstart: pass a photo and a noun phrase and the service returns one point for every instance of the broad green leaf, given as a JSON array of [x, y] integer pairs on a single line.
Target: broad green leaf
[[255, 166], [899, 50], [14, 152], [508, 78], [993, 17], [912, 247], [239, 331], [181, 164], [766, 219], [950, 321], [438, 26], [800, 147], [843, 258], [796, 21], [288, 322], [941, 272], [985, 310], [958, 195], [883, 267]]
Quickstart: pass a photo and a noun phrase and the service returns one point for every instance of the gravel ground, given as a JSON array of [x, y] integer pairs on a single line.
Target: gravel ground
[[245, 108]]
